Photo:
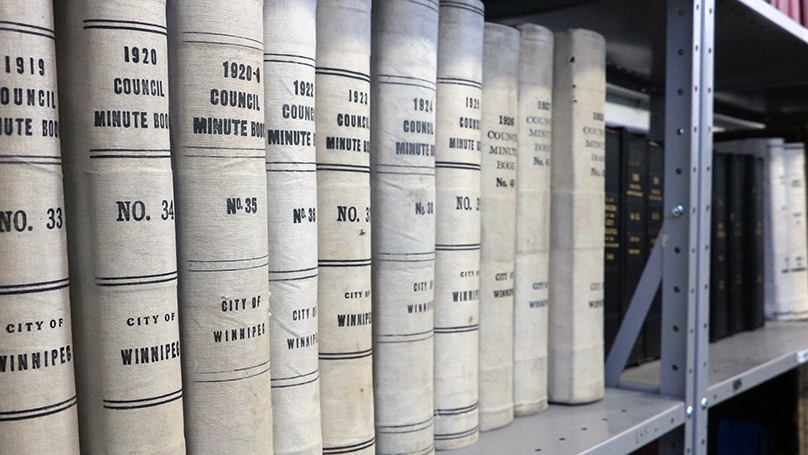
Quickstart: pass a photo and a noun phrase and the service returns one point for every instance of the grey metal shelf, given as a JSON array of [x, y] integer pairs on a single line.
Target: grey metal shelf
[[739, 362], [620, 423]]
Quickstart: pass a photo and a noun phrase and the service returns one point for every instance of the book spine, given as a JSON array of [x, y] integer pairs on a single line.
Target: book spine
[[122, 237], [403, 83], [653, 218], [753, 233], [37, 388], [457, 207], [217, 113], [289, 92], [633, 176], [577, 232], [613, 253], [798, 243], [531, 281], [777, 285], [343, 193], [719, 320], [498, 217], [736, 243]]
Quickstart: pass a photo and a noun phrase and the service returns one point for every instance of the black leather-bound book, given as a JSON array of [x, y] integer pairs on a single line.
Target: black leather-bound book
[[718, 258], [634, 173], [736, 246], [753, 252], [654, 218], [613, 252]]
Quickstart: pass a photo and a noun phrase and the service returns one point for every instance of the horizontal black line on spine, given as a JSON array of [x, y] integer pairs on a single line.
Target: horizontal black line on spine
[[459, 5], [295, 385], [405, 341], [144, 405], [137, 283], [405, 260], [233, 379], [349, 449], [41, 163], [409, 78], [342, 70], [41, 157], [261, 149], [457, 248], [50, 411], [409, 425], [458, 329], [356, 171], [229, 260], [407, 254], [291, 162], [28, 32], [358, 264], [148, 157], [457, 163], [310, 65], [457, 245], [424, 5], [295, 279], [346, 355], [116, 21], [228, 157], [225, 34], [35, 291], [39, 283], [404, 334], [326, 261], [409, 84], [457, 411], [328, 72], [233, 269], [459, 81], [289, 55], [357, 166], [124, 27], [451, 436], [41, 408], [296, 377], [222, 44], [135, 277], [291, 170], [141, 400], [22, 24], [129, 150], [237, 369], [309, 269]]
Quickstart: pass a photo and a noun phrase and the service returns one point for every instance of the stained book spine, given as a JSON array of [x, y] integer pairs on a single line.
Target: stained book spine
[[498, 230], [217, 114], [343, 191], [531, 281], [289, 91], [403, 75], [457, 262], [37, 388], [121, 227], [577, 231], [797, 244]]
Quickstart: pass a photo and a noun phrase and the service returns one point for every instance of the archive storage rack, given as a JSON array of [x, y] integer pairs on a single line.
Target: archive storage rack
[[750, 61]]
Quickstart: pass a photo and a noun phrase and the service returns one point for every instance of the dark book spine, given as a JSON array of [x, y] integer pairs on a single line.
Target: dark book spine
[[612, 250], [634, 175], [653, 217], [718, 258], [753, 252], [736, 186]]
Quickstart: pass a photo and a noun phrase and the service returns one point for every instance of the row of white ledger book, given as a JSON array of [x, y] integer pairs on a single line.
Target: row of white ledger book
[[293, 226], [785, 239]]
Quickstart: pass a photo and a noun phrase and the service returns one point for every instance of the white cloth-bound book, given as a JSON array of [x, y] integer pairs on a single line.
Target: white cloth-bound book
[[217, 115], [403, 73], [289, 90], [531, 280], [795, 304], [457, 249], [121, 237], [498, 230], [343, 193], [576, 255], [37, 354]]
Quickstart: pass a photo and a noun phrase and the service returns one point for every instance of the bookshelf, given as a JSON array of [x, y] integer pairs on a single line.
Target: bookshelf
[[742, 59]]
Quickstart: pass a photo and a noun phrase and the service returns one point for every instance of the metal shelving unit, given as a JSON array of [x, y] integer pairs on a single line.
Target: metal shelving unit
[[745, 59]]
